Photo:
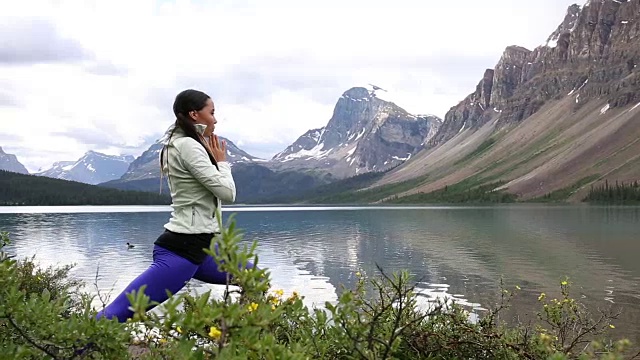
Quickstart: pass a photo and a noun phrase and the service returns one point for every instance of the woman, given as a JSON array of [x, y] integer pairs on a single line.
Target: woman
[[199, 178]]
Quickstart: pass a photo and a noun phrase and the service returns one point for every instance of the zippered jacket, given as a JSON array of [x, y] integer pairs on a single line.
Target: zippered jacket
[[197, 187]]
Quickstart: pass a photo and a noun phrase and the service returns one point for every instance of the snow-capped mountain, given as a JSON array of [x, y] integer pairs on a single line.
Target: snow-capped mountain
[[9, 162], [92, 168], [148, 164], [366, 133]]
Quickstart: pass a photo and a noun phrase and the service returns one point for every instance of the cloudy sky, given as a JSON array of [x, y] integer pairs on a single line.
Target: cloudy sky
[[102, 74]]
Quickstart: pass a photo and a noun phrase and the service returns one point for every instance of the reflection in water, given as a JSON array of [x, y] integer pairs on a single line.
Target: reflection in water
[[454, 252]]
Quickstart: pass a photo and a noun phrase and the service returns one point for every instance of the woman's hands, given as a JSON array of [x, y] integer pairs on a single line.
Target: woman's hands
[[218, 149]]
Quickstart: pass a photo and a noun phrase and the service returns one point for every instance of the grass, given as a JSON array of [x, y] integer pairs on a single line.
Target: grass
[[481, 149], [470, 190]]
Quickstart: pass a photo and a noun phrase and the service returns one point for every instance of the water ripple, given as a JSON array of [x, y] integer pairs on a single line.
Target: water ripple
[[456, 253]]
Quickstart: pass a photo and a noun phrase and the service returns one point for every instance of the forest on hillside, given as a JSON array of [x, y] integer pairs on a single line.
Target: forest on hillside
[[619, 194], [31, 190]]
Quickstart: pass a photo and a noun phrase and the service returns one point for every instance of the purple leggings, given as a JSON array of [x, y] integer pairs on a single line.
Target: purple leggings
[[168, 271]]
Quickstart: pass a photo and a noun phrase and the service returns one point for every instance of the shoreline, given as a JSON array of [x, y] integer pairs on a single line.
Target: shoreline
[[43, 209]]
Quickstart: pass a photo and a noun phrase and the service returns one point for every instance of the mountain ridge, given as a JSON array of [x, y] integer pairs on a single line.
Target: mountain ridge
[[545, 119]]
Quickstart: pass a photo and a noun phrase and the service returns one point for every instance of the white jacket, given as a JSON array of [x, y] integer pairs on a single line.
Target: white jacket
[[197, 187]]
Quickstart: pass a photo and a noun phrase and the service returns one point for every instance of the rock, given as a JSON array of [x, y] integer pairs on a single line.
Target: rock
[[9, 162], [593, 53], [365, 133]]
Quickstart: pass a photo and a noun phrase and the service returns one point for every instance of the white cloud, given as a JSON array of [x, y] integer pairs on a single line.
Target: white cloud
[[274, 68]]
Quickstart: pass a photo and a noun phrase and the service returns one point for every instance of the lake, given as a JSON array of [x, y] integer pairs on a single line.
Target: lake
[[457, 252]]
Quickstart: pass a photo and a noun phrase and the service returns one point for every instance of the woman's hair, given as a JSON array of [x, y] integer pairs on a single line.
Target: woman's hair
[[185, 102]]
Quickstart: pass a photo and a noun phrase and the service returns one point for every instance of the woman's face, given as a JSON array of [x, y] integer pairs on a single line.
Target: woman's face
[[206, 117]]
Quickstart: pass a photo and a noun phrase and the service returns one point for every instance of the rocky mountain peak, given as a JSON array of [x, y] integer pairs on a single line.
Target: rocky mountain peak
[[365, 133], [593, 53], [354, 111], [356, 94], [507, 75], [9, 162], [565, 28]]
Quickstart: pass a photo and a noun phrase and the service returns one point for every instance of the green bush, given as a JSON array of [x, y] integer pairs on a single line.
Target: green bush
[[43, 313]]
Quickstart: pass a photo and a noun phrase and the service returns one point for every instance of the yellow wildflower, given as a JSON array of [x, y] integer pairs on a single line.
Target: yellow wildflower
[[163, 341], [542, 296], [279, 292], [215, 333], [293, 296], [253, 307], [612, 326], [179, 330], [274, 300], [564, 283], [358, 274], [273, 308], [517, 287]]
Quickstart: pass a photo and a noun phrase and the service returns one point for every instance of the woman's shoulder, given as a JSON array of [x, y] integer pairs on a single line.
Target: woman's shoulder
[[189, 149], [186, 142]]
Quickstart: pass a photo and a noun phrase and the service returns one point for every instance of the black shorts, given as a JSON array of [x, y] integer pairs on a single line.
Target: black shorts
[[189, 246]]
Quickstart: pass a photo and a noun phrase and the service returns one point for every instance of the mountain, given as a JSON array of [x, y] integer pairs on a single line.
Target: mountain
[[547, 123], [145, 166], [9, 162], [92, 168], [544, 123], [366, 133]]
